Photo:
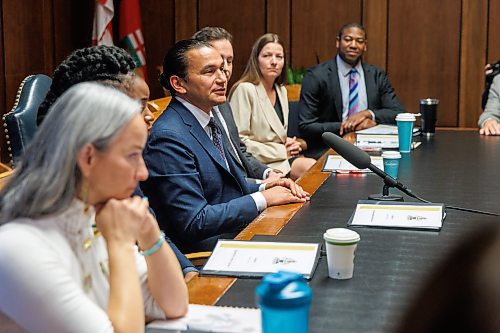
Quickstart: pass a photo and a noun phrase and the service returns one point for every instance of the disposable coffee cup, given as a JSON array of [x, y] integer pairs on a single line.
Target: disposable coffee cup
[[405, 131], [340, 246], [428, 112], [391, 163]]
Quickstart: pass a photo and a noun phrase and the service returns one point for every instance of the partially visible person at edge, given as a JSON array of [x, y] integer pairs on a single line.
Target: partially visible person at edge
[[195, 188], [343, 94], [69, 226], [489, 120], [462, 294], [113, 66], [260, 105], [107, 64], [221, 40]]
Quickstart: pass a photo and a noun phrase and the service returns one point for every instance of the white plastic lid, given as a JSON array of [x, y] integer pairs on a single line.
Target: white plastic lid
[[341, 236], [405, 117], [391, 154], [429, 101]]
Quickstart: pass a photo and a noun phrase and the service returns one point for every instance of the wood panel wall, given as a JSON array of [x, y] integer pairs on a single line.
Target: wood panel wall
[[429, 48]]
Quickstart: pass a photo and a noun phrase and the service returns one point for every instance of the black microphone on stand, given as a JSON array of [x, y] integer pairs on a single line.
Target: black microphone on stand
[[362, 160]]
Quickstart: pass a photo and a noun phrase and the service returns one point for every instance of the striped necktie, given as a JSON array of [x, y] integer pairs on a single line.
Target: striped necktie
[[353, 92]]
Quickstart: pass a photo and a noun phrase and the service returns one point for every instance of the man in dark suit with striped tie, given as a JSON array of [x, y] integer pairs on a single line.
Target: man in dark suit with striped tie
[[221, 40], [343, 94], [195, 187]]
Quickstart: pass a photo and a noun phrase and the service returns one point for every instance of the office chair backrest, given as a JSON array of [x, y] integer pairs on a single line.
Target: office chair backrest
[[20, 122]]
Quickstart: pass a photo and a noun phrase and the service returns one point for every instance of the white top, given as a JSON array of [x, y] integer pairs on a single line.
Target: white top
[[50, 283]]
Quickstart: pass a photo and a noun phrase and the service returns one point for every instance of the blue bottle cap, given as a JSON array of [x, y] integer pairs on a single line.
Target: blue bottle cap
[[283, 290]]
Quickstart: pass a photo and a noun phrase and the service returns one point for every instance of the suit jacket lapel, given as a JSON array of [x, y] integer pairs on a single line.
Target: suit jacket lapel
[[284, 105], [271, 116], [227, 138], [335, 87], [199, 133], [369, 84]]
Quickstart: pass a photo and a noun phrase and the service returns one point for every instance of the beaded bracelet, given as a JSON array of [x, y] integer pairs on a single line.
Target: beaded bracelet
[[155, 247]]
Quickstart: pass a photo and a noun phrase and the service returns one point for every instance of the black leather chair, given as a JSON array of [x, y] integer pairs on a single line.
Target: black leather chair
[[20, 122]]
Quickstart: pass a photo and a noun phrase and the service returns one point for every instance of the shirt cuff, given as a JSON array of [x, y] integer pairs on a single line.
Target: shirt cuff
[[259, 200], [266, 173], [482, 123], [372, 113], [189, 269]]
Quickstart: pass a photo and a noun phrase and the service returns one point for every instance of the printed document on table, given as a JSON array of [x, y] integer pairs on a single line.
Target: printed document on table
[[377, 141], [207, 318], [336, 163], [407, 215], [385, 129], [255, 259]]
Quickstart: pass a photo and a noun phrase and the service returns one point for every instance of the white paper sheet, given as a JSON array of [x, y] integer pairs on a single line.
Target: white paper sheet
[[243, 258], [337, 163], [413, 216], [208, 318], [384, 129], [377, 141]]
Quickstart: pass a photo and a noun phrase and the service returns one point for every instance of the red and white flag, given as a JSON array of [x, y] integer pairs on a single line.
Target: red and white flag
[[102, 34], [131, 33]]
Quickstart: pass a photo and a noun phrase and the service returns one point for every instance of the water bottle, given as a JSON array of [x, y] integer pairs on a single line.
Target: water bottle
[[284, 299]]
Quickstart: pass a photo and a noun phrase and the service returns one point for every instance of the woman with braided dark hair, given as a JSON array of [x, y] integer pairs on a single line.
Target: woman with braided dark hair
[[110, 65]]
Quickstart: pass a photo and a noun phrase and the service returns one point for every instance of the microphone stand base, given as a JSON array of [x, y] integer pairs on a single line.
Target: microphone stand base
[[389, 197]]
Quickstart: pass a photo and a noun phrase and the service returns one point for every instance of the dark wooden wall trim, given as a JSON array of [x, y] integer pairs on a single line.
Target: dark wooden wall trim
[[375, 22], [429, 48], [493, 31], [474, 38]]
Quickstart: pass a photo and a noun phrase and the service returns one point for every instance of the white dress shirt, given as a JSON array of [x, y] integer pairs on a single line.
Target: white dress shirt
[[343, 72]]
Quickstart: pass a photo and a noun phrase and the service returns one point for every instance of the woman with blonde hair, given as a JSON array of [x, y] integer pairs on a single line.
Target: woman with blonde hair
[[69, 228], [260, 106]]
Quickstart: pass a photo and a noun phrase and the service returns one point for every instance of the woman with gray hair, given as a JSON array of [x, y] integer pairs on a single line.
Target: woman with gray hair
[[68, 260]]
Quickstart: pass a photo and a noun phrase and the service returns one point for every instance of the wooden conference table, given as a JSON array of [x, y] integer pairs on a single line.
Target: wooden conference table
[[459, 168]]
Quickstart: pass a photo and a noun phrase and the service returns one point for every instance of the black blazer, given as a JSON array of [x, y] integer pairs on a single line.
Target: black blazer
[[252, 167], [320, 105]]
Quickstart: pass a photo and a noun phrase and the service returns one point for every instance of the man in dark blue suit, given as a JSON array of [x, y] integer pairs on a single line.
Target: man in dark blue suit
[[195, 187], [343, 94]]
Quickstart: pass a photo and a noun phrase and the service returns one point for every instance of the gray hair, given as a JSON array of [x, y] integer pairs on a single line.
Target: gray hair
[[48, 176]]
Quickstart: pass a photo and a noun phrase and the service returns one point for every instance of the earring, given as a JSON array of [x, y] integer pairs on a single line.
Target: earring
[[84, 194]]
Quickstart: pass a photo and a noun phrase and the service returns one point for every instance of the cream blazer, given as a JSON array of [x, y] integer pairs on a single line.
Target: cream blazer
[[258, 124]]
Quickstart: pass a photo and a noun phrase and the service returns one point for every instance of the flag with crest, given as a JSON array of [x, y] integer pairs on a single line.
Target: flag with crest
[[130, 31]]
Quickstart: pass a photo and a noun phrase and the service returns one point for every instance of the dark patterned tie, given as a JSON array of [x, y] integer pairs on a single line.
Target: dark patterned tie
[[217, 138]]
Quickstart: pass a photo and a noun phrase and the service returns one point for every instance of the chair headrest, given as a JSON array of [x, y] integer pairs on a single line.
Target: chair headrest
[[20, 122]]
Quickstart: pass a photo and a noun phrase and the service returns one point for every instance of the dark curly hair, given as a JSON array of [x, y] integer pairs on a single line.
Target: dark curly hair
[[96, 63]]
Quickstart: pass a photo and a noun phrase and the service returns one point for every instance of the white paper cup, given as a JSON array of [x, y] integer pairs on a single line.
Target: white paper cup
[[340, 246]]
